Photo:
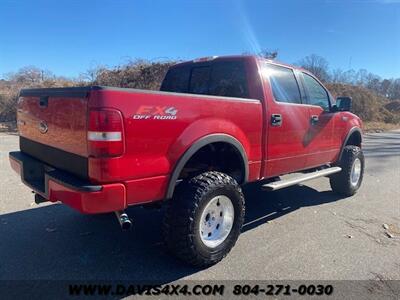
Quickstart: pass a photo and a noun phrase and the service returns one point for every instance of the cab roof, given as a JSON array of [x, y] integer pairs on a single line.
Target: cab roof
[[237, 57]]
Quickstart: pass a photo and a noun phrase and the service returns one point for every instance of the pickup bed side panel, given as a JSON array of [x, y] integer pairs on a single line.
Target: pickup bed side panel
[[160, 127]]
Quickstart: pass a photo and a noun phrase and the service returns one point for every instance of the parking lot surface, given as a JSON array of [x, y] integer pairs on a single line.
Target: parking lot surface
[[302, 232]]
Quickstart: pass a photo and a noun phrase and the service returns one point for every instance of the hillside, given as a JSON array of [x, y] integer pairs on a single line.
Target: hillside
[[367, 104], [393, 106]]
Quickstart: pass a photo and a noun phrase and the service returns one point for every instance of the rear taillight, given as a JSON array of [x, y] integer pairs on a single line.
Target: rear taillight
[[105, 133]]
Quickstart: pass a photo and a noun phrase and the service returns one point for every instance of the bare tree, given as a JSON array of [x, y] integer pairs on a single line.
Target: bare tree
[[265, 53], [361, 77], [393, 91], [338, 76], [316, 65], [30, 75], [269, 54], [385, 87], [91, 74]]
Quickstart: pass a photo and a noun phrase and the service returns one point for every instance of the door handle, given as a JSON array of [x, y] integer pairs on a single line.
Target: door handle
[[314, 119], [44, 101], [276, 120]]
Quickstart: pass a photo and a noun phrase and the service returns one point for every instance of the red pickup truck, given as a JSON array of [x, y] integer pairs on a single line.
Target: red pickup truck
[[217, 124]]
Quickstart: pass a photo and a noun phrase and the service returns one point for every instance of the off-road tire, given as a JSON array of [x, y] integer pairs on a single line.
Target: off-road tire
[[182, 218], [341, 182]]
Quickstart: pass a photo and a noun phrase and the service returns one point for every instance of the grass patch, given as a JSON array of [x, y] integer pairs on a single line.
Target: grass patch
[[379, 126], [8, 127]]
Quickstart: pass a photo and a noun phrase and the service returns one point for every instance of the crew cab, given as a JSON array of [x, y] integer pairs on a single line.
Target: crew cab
[[216, 124]]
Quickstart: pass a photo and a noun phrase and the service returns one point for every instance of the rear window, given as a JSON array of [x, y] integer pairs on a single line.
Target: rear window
[[176, 80], [199, 81], [220, 79], [283, 83]]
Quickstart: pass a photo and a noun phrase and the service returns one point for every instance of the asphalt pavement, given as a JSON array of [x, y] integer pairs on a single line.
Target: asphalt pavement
[[302, 232]]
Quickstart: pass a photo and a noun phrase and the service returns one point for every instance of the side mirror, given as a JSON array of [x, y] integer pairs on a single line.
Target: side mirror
[[343, 103]]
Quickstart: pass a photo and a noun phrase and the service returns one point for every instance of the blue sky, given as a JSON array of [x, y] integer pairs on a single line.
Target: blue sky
[[70, 36]]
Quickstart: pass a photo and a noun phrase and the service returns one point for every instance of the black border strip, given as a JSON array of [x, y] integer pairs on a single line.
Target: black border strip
[[69, 162], [349, 134], [213, 138], [72, 92], [83, 92], [58, 176]]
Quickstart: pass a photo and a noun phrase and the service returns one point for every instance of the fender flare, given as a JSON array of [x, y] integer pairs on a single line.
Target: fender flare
[[349, 134], [209, 139]]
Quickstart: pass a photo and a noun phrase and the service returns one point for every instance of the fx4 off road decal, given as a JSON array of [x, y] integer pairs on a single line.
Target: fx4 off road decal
[[148, 112]]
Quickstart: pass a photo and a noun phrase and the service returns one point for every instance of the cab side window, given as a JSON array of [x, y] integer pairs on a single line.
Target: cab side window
[[317, 95], [283, 84]]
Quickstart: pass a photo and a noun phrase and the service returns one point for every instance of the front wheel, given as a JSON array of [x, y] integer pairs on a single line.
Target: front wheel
[[348, 181], [204, 219]]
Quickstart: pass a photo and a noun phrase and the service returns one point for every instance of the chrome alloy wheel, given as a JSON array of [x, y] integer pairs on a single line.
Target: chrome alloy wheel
[[355, 172], [216, 221]]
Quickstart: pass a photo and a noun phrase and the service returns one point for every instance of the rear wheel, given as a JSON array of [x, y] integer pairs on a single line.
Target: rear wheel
[[348, 181], [204, 219]]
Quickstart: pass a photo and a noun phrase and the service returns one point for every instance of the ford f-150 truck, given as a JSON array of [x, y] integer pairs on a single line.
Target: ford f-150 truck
[[217, 124]]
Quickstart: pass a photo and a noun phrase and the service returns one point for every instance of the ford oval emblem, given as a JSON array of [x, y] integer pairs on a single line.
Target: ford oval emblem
[[43, 128]]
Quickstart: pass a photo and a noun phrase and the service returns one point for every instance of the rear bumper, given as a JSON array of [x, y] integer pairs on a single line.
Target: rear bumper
[[56, 185]]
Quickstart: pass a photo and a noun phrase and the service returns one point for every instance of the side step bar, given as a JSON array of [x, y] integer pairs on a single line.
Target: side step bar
[[277, 185]]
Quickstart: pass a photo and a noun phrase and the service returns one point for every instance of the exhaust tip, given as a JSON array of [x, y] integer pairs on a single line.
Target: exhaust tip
[[124, 220], [126, 225], [40, 199]]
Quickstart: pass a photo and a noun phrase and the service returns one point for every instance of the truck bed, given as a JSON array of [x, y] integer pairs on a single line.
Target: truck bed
[[158, 128]]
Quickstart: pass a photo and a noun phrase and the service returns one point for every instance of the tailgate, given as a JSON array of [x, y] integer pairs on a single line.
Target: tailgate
[[52, 124]]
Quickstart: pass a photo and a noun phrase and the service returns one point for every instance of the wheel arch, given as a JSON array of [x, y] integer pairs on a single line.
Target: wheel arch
[[196, 146], [353, 137]]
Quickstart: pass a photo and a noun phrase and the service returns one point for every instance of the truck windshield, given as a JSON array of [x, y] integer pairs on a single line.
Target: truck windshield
[[226, 78]]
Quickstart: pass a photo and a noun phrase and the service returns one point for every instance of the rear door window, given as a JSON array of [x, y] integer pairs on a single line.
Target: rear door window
[[283, 83], [229, 79]]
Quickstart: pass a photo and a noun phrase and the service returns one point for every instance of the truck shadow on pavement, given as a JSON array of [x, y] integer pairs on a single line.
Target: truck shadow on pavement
[[55, 243], [262, 207]]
